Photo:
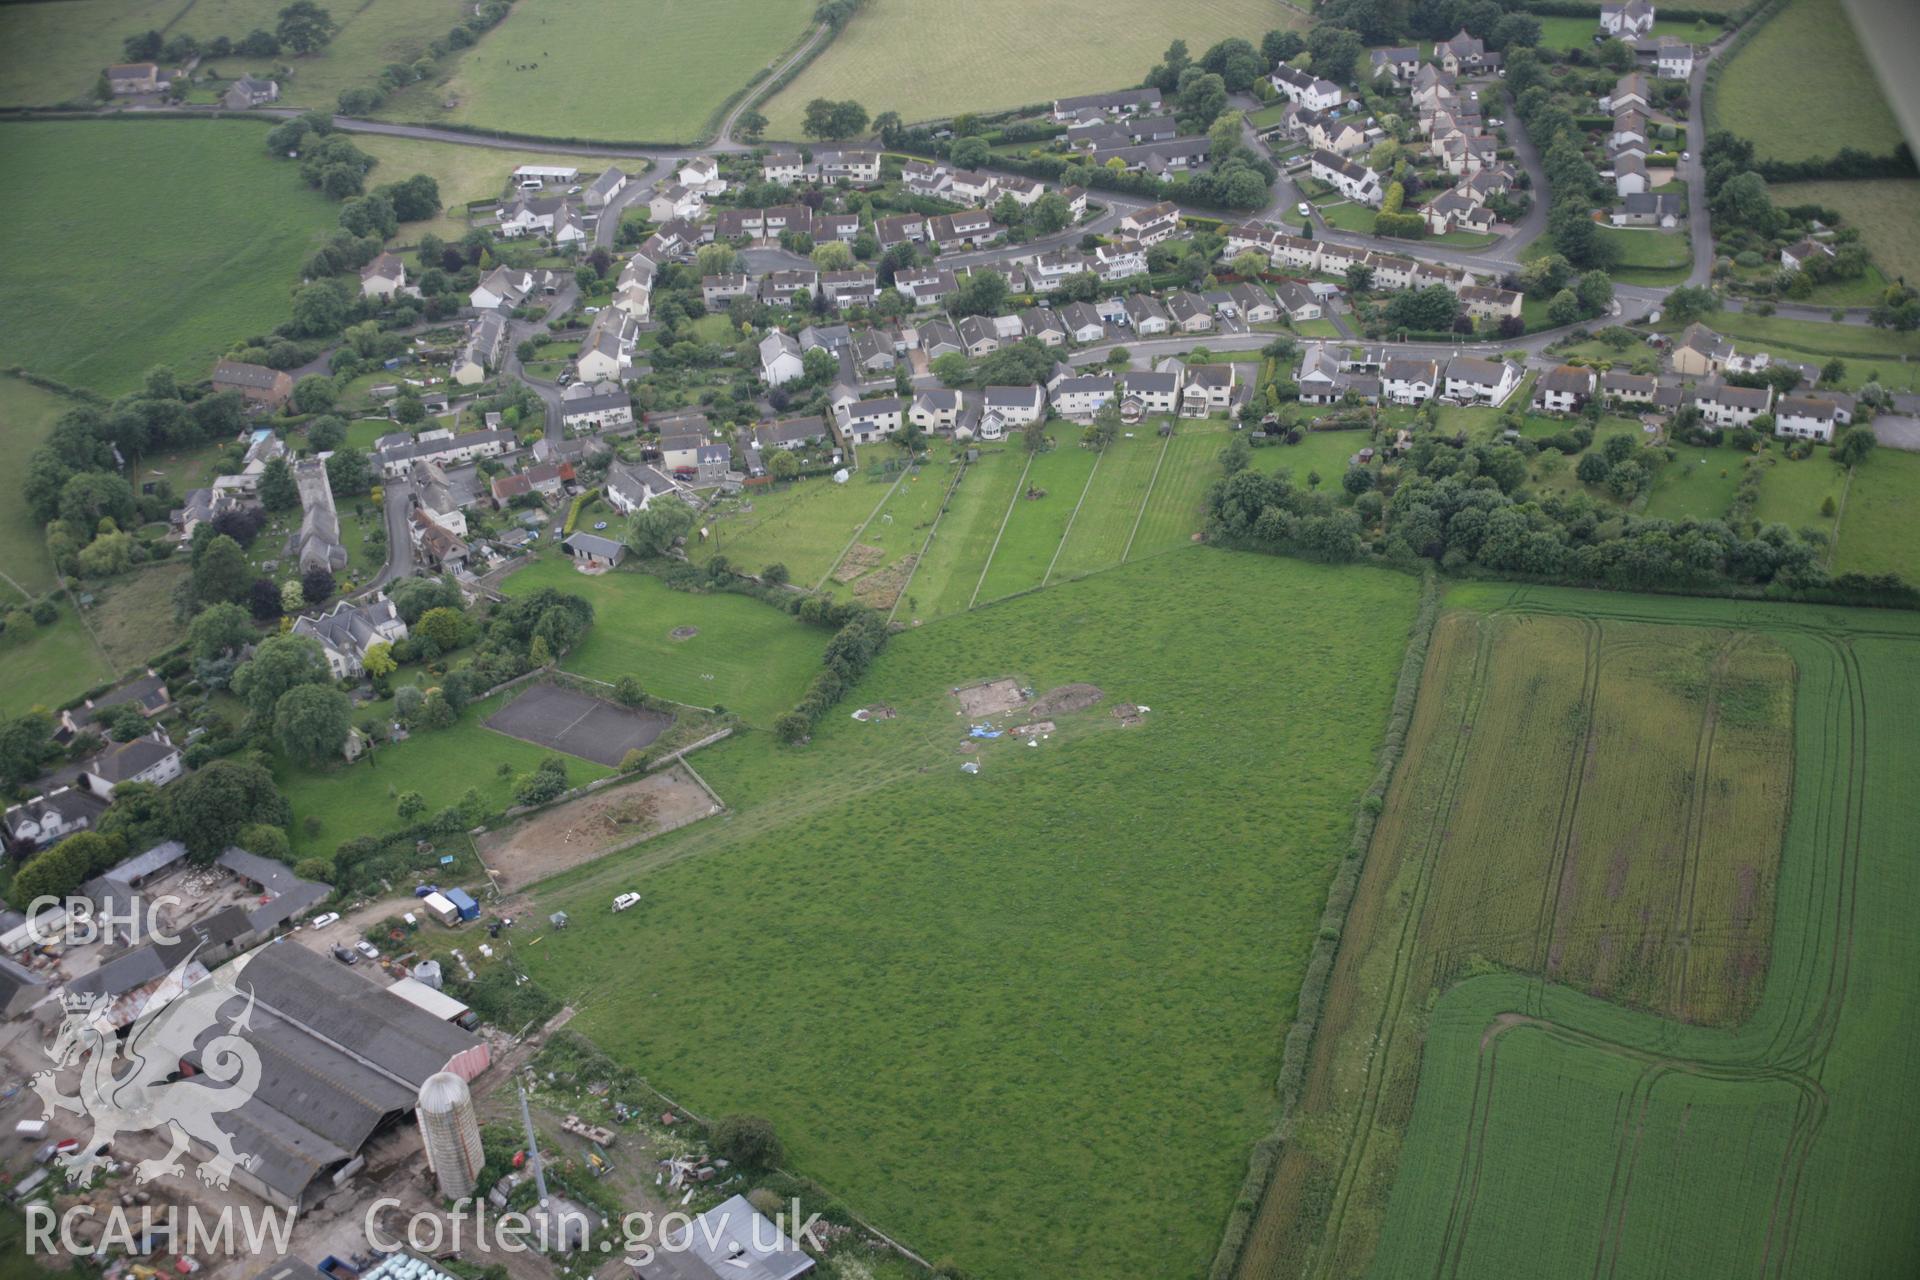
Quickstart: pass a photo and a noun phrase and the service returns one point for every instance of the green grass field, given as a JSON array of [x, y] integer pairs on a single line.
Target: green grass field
[[1657, 257], [748, 657], [654, 71], [949, 571], [1876, 523], [1110, 507], [1699, 483], [1805, 64], [1791, 337], [1591, 809], [218, 233], [968, 1003], [28, 413], [896, 532], [58, 50], [804, 525], [45, 666], [1885, 211], [1578, 33], [1791, 493], [464, 173], [999, 55], [1036, 526]]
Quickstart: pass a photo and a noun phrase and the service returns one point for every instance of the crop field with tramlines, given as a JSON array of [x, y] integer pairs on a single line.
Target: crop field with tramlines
[[1628, 986]]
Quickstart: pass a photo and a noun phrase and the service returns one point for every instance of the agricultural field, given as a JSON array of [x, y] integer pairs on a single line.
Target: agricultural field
[[986, 1026], [746, 656], [650, 71], [1805, 64], [220, 232], [1885, 211], [1876, 517], [64, 46], [29, 413], [991, 60], [465, 174], [1614, 990]]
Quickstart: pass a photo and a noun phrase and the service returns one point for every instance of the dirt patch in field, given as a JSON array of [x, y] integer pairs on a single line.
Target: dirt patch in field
[[1033, 730], [880, 589], [1067, 699], [991, 698], [683, 633], [579, 831], [1128, 715], [878, 711], [859, 558]]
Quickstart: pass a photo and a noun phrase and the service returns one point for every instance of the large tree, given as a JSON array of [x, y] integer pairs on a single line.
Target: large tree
[[279, 664], [311, 722], [220, 571], [305, 27], [651, 532], [208, 808], [218, 630]]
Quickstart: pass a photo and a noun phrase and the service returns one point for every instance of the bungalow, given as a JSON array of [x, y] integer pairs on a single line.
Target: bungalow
[[1308, 90], [531, 215], [865, 421], [1725, 405], [595, 406], [1629, 175], [1147, 316], [1189, 312], [1564, 390], [1355, 181], [1810, 417], [1700, 352], [1209, 389], [631, 488], [248, 91], [1299, 302], [1648, 209], [385, 276], [261, 386], [1253, 303], [1081, 397], [1042, 323], [594, 550], [1797, 255], [1407, 381], [601, 191], [978, 337], [856, 166], [1628, 21], [1125, 102], [1152, 224], [1016, 406], [1164, 160], [926, 178], [150, 758], [1481, 381], [1083, 323], [872, 352], [1151, 392], [1486, 302], [1627, 388], [938, 337], [548, 175], [780, 360]]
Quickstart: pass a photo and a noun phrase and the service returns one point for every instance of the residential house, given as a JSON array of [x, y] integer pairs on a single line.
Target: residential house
[[1164, 160], [859, 287], [1797, 255], [857, 166], [966, 186], [1119, 260], [1299, 302], [1465, 54], [784, 166], [1487, 302], [1042, 323], [671, 200], [1081, 397], [872, 352], [938, 337], [1725, 405], [937, 410], [48, 819], [1306, 89], [1083, 323], [1189, 312], [250, 91], [717, 291], [1208, 389], [1147, 316], [479, 354], [1076, 198], [441, 446], [1147, 393], [1481, 381], [130, 78], [780, 359], [631, 488], [926, 178], [1407, 381], [1564, 389], [967, 229], [1398, 61], [606, 353], [1672, 58], [843, 227], [150, 758], [543, 480], [1700, 352], [550, 175], [1125, 102], [602, 190], [1024, 192], [702, 174], [262, 387], [1453, 210], [1355, 181], [1016, 406], [866, 421], [436, 547], [1621, 387], [781, 288], [595, 406], [1341, 136], [1811, 417], [1254, 304], [1629, 91], [149, 694], [531, 215], [350, 628], [1627, 21], [1153, 224], [503, 288], [977, 336], [1629, 176], [1648, 209]]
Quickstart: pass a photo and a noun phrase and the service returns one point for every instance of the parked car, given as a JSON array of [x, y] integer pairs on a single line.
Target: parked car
[[367, 949], [325, 918], [1306, 210], [345, 956], [625, 900]]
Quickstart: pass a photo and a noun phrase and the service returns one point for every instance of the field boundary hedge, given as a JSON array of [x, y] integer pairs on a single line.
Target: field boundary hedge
[[1313, 986]]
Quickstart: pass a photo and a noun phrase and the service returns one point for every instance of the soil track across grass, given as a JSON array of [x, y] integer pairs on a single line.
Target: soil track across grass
[[578, 724]]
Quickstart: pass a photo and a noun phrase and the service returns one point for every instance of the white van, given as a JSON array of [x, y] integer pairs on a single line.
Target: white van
[[625, 900], [531, 184]]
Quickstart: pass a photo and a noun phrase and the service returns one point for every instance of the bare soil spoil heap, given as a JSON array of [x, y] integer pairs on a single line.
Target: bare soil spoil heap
[[1067, 699]]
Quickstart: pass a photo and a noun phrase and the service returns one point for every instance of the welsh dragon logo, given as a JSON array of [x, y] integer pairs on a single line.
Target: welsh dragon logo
[[125, 1084]]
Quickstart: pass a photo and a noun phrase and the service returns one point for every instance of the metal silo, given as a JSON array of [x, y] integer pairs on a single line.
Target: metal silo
[[451, 1133]]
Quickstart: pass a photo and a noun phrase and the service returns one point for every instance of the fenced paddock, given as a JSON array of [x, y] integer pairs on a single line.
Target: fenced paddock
[[580, 725]]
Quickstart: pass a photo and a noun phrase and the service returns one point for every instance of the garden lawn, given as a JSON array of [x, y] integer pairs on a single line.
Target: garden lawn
[[1111, 508], [997, 54], [1885, 211], [1876, 522], [219, 232], [1185, 466], [28, 413], [1791, 493], [1805, 64], [46, 666], [984, 1009], [1785, 336], [898, 530], [748, 657], [1650, 257], [804, 524], [646, 71], [1578, 33], [944, 580], [465, 174], [1698, 483], [358, 799], [1036, 526]]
